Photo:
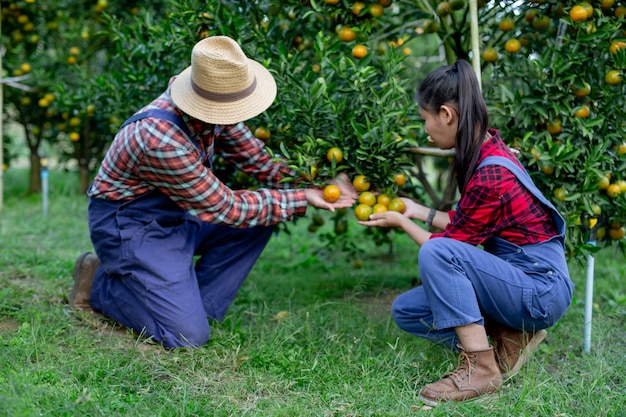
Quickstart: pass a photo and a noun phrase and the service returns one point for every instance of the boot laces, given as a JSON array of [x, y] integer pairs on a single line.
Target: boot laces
[[464, 367]]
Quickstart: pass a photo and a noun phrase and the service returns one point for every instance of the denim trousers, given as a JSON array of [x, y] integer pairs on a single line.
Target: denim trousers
[[163, 272], [524, 287]]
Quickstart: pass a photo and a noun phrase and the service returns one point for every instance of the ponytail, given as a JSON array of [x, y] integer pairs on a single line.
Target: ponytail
[[457, 85]]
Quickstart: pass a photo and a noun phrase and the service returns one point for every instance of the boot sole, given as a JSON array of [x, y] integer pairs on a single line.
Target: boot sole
[[533, 343]]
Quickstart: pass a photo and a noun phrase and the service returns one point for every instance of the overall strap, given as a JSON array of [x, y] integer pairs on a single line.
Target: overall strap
[[523, 176], [170, 117]]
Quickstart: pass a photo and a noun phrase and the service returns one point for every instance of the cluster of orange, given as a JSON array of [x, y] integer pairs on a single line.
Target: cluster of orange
[[348, 34], [368, 202]]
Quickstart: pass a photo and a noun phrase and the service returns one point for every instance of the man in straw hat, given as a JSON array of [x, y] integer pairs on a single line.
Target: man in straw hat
[[155, 203]]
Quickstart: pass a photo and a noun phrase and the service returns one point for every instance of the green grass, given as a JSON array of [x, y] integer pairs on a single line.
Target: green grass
[[336, 353]]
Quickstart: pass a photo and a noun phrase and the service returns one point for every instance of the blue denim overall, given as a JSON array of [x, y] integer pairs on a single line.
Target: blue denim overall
[[524, 287], [147, 279]]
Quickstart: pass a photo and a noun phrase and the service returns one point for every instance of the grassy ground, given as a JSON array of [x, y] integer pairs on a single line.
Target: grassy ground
[[308, 335]]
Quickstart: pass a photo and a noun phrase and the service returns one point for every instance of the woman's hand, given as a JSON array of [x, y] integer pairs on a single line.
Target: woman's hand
[[413, 209], [386, 219]]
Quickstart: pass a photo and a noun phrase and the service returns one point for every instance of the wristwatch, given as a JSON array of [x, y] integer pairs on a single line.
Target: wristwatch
[[429, 219]]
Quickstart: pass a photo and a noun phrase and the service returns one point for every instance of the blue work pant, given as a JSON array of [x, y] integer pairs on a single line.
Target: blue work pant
[[526, 288], [148, 280]]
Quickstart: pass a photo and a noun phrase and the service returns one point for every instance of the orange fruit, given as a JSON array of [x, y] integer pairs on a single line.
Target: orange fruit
[[582, 111], [603, 182], [588, 8], [385, 3], [581, 90], [621, 149], [399, 179], [560, 193], [490, 55], [331, 1], [74, 136], [363, 212], [616, 233], [360, 183], [613, 77], [383, 199], [359, 51], [332, 193], [622, 186], [613, 190], [554, 126], [357, 7], [578, 13], [547, 169], [336, 154], [397, 205], [542, 23], [376, 9], [620, 11], [616, 46], [347, 34], [262, 133], [379, 208], [512, 46], [311, 174], [506, 24], [607, 4], [367, 197]]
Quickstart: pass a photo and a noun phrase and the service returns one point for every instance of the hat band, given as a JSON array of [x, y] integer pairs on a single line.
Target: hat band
[[223, 97]]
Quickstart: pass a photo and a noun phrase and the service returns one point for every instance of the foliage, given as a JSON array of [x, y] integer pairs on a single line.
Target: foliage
[[361, 102], [570, 138]]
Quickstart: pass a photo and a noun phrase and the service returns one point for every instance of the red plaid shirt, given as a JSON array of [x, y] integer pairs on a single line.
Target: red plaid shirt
[[154, 154], [495, 203]]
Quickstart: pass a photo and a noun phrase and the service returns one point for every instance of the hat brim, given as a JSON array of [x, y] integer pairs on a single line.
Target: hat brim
[[225, 113]]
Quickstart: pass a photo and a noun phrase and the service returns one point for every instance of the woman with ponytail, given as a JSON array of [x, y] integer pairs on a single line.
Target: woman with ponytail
[[496, 277]]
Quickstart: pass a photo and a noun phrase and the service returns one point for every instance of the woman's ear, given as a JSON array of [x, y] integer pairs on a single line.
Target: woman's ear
[[448, 114]]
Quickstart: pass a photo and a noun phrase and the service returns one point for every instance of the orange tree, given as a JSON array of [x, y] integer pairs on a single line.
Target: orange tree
[[56, 49], [558, 97], [347, 71]]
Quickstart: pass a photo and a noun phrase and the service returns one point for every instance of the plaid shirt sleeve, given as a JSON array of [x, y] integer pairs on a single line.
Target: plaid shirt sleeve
[[237, 145], [147, 155]]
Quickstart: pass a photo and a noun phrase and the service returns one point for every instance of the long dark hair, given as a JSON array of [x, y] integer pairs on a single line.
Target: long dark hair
[[457, 86]]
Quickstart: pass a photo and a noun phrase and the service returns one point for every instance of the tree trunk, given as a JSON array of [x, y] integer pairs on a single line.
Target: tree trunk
[[35, 173], [84, 179]]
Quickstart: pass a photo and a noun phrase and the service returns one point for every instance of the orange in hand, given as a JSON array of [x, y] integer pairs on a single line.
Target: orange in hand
[[332, 193], [397, 205], [363, 212]]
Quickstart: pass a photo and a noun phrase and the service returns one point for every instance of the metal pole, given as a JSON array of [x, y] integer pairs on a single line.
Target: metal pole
[[44, 185], [592, 224], [588, 302]]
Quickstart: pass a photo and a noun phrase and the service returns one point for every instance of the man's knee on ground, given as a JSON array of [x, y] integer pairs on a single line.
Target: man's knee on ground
[[186, 336]]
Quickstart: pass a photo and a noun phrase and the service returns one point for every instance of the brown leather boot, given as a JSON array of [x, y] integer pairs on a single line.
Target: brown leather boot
[[513, 347], [84, 270], [476, 374]]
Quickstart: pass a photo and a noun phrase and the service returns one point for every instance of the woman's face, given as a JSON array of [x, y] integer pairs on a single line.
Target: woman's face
[[441, 126]]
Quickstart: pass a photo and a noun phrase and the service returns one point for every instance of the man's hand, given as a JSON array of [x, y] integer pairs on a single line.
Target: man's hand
[[315, 198]]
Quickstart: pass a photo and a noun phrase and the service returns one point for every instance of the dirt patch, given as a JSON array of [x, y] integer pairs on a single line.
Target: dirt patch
[[8, 325]]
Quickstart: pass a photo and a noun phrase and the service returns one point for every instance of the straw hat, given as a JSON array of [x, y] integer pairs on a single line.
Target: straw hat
[[223, 86]]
